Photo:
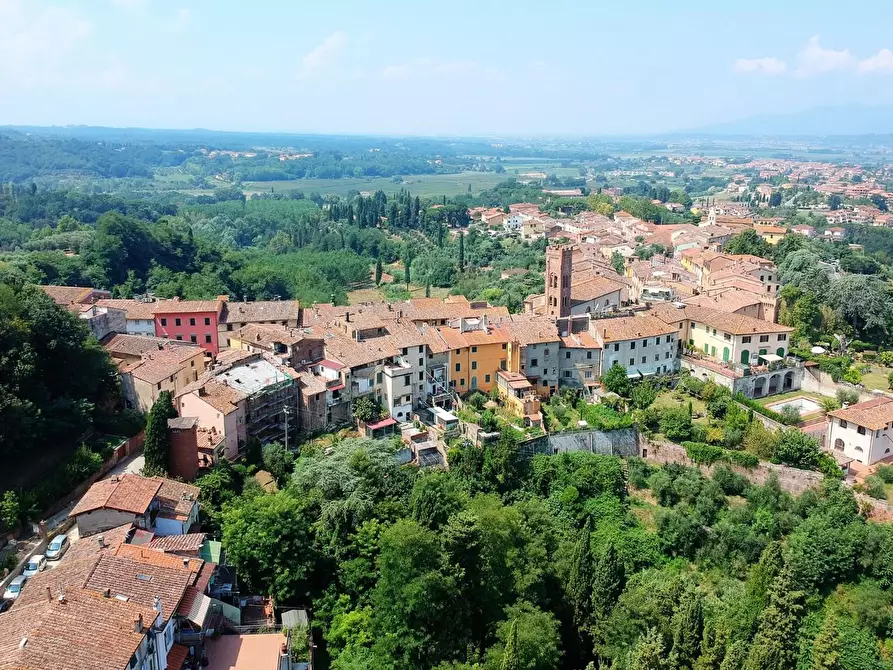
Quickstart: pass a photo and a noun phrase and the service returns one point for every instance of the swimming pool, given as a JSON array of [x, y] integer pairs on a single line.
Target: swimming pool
[[804, 405]]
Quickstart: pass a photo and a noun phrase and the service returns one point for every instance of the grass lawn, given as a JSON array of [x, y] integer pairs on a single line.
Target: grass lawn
[[877, 378], [666, 400], [422, 185]]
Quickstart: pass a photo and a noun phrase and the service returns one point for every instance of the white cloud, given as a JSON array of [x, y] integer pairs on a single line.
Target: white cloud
[[881, 62], [769, 65], [323, 55], [130, 5], [396, 72], [180, 21], [815, 59], [37, 44]]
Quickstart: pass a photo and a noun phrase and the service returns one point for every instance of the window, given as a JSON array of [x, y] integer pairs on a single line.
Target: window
[[193, 338], [502, 364], [714, 331], [421, 376], [458, 367], [474, 365], [843, 424], [745, 339], [192, 321], [462, 381], [656, 357], [404, 351], [534, 362], [644, 359], [632, 361], [208, 338], [503, 345], [164, 322], [632, 345], [158, 386], [861, 430], [588, 374], [645, 342], [487, 379], [567, 355], [727, 336], [589, 355], [782, 337], [474, 350], [764, 338], [421, 362], [378, 378], [617, 346], [567, 373], [229, 326], [406, 380], [192, 364], [179, 337], [668, 339], [177, 322], [546, 352], [667, 355]]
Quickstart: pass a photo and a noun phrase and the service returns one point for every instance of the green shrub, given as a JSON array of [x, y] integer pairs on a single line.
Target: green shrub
[[676, 424], [477, 400], [874, 486], [885, 358], [742, 459], [790, 414], [847, 396], [731, 482], [639, 472], [703, 454], [830, 404], [885, 473], [852, 376]]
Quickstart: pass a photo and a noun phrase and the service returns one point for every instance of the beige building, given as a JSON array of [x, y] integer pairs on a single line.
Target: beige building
[[169, 368], [863, 432]]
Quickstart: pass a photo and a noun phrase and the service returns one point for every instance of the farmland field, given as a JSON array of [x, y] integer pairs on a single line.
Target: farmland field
[[423, 185]]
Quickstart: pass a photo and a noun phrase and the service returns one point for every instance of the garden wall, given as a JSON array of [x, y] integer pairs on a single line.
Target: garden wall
[[621, 442]]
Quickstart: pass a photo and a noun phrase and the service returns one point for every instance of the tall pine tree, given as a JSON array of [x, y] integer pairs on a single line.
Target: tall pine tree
[[157, 445]]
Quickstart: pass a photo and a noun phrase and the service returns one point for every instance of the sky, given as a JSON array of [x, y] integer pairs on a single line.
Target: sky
[[427, 67]]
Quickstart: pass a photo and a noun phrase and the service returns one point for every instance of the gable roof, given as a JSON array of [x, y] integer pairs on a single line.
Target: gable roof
[[622, 328], [260, 310], [125, 493], [140, 581], [66, 295], [727, 322], [83, 631], [133, 309], [176, 498], [873, 414]]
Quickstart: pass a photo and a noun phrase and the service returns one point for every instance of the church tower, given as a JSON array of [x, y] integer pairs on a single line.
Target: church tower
[[559, 265]]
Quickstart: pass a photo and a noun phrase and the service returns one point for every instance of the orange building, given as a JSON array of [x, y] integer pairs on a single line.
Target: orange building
[[477, 351]]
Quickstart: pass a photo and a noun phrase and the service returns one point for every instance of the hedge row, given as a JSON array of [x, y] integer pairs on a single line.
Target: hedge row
[[707, 454], [765, 411]]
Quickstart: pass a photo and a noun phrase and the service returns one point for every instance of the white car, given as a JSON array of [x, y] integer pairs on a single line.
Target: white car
[[58, 546], [15, 588], [37, 563]]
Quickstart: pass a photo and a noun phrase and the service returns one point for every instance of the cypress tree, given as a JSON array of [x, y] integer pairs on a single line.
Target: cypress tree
[[510, 660], [378, 272], [579, 584], [608, 581], [736, 656], [427, 289], [406, 271], [688, 627], [157, 445], [773, 646], [461, 252], [440, 235]]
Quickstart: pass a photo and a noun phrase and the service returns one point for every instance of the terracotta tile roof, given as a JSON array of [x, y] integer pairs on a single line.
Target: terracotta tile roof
[[621, 328], [191, 542], [146, 554], [177, 656], [70, 575], [260, 310], [310, 383], [526, 329], [725, 301], [133, 309], [582, 340], [86, 631], [873, 414], [225, 399], [736, 324], [156, 366], [456, 339], [176, 497], [140, 581], [90, 548], [194, 606], [185, 306], [136, 345], [266, 334], [126, 493], [65, 295], [593, 288], [204, 576]]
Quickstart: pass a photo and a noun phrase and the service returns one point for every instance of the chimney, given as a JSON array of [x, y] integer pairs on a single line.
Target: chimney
[[101, 541], [185, 562], [138, 624], [49, 595], [156, 604], [107, 593], [347, 317]]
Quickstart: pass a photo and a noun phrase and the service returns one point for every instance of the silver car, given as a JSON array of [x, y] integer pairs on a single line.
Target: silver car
[[58, 546], [15, 588]]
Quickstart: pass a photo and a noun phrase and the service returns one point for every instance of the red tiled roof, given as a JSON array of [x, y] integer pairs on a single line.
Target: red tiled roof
[[127, 493], [177, 656], [174, 544]]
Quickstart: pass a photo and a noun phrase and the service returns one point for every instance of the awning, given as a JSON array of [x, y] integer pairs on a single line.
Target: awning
[[770, 358], [390, 421]]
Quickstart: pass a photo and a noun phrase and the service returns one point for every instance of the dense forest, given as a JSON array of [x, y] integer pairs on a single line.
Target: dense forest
[[565, 561]]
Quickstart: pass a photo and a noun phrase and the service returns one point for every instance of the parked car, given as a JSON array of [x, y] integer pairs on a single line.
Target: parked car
[[58, 546], [15, 588], [37, 563], [5, 605]]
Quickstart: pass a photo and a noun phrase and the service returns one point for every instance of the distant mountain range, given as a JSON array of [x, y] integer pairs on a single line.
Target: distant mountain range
[[838, 120]]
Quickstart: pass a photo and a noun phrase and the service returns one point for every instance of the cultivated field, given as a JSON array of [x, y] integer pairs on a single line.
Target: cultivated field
[[422, 185]]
